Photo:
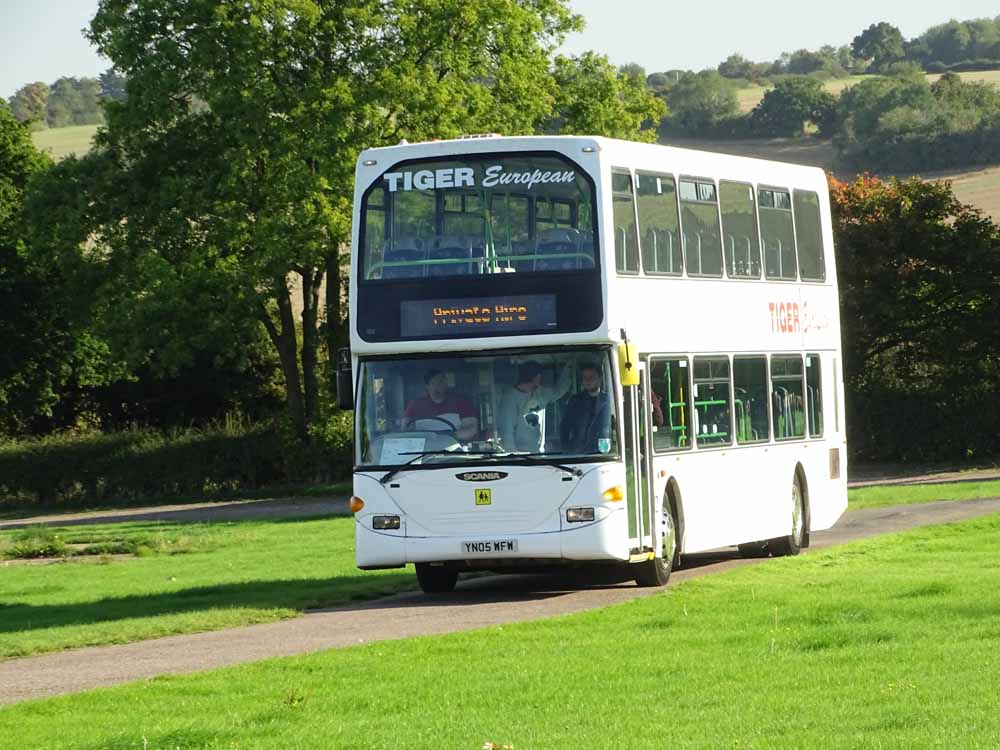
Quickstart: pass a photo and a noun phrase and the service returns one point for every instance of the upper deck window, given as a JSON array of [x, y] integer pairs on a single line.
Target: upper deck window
[[626, 242], [776, 233], [700, 228], [478, 215]]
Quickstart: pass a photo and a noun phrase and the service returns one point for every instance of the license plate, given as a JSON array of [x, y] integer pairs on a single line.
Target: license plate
[[490, 547]]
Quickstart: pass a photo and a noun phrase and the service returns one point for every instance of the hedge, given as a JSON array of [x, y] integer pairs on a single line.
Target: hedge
[[146, 464]]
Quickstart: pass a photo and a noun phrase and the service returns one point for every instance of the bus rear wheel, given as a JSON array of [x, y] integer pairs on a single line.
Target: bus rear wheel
[[436, 579], [656, 572], [795, 541]]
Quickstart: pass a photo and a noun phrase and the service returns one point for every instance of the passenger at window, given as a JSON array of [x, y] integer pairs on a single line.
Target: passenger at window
[[521, 412], [586, 428], [440, 406]]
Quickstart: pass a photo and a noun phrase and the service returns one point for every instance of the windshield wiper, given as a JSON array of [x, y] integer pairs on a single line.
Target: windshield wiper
[[568, 469], [417, 455]]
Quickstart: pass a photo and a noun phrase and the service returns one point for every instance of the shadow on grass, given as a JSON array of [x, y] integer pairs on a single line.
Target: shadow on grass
[[299, 594]]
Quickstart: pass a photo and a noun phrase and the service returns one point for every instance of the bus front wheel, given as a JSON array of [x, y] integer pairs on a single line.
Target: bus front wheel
[[436, 579], [656, 572]]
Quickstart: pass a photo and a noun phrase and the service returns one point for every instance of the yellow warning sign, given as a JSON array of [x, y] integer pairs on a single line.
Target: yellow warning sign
[[484, 497]]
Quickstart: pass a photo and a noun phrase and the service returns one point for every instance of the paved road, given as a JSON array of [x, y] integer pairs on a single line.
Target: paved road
[[310, 507], [479, 602]]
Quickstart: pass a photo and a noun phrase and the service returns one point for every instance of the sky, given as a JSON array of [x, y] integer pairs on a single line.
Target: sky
[[41, 40]]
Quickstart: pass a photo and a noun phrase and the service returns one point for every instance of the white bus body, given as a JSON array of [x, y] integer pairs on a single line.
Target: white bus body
[[590, 245]]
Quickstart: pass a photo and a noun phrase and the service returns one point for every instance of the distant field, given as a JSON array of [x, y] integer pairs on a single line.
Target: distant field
[[981, 189], [61, 142], [750, 96]]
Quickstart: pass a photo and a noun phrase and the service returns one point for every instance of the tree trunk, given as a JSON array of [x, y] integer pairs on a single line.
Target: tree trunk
[[333, 313], [311, 283], [284, 340]]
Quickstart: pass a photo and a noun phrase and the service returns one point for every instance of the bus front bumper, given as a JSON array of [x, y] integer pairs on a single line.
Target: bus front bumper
[[599, 541]]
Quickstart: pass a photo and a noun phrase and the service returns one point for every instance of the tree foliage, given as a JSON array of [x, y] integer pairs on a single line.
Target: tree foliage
[[918, 275], [226, 173], [595, 98], [30, 104], [699, 102], [32, 361], [791, 104], [881, 44]]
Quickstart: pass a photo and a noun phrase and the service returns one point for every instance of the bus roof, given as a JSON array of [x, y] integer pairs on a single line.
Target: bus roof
[[630, 152]]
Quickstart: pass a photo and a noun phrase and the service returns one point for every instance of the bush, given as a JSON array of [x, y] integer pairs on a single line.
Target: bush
[[71, 468]]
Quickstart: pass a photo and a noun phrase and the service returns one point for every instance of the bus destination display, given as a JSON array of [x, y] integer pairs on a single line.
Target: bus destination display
[[481, 316]]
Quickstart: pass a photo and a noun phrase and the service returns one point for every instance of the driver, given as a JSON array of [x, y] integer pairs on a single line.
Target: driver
[[439, 405]]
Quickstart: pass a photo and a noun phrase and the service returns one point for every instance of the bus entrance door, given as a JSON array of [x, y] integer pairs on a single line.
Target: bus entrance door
[[637, 474]]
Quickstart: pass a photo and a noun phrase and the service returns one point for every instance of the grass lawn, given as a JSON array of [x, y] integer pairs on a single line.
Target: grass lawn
[[184, 578], [885, 495], [61, 142], [883, 643]]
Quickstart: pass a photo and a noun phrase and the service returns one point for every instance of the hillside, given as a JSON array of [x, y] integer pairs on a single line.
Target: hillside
[[61, 142], [749, 97]]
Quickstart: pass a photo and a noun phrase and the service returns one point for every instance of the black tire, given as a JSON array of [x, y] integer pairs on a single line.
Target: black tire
[[436, 579], [754, 550], [794, 542], [656, 572]]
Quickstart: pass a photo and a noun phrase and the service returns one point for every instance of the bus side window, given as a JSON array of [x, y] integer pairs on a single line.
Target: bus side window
[[739, 230], [814, 395], [712, 408], [700, 228], [750, 399], [809, 236], [787, 407], [670, 407], [626, 241], [659, 224], [776, 233]]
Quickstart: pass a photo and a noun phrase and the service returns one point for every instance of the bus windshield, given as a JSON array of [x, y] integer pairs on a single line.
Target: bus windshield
[[478, 215], [482, 407]]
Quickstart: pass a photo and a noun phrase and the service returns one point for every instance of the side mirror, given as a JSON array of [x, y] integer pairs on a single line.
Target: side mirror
[[628, 364], [345, 380]]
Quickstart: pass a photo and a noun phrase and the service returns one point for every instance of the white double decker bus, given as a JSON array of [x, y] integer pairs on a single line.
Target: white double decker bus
[[570, 350]]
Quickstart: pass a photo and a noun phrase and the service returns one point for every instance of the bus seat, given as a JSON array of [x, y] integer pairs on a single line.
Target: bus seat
[[558, 241], [408, 250], [450, 247]]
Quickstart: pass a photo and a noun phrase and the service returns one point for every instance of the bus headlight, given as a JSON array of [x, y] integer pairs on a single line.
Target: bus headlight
[[613, 494], [385, 522], [576, 515]]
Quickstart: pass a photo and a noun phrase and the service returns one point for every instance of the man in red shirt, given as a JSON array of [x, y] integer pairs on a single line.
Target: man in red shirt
[[438, 406]]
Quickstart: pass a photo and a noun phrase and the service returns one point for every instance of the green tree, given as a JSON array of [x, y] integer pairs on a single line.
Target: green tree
[[633, 70], [881, 44], [112, 85], [30, 103], [736, 66], [31, 356], [791, 104], [74, 101], [701, 101], [918, 274], [861, 106], [206, 212], [596, 99], [803, 61]]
